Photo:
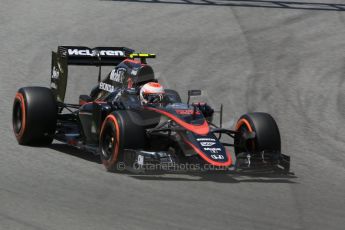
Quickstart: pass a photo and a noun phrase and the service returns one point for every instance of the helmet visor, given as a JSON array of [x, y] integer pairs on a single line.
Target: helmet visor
[[154, 98]]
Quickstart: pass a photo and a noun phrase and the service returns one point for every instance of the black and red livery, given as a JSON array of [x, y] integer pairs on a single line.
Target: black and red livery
[[112, 122]]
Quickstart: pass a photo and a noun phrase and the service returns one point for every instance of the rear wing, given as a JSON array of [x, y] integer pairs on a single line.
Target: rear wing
[[81, 55], [106, 56]]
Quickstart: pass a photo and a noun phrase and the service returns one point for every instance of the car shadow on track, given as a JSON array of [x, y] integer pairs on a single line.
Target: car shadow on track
[[295, 5], [85, 155], [213, 176], [220, 177]]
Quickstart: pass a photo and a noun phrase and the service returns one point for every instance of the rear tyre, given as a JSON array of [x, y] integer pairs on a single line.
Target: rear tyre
[[267, 133], [119, 131], [34, 116]]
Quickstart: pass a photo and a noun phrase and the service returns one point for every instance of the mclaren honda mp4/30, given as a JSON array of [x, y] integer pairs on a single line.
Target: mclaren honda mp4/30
[[114, 123]]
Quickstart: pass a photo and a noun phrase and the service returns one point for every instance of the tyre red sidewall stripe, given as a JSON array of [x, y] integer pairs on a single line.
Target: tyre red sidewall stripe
[[20, 98], [244, 121]]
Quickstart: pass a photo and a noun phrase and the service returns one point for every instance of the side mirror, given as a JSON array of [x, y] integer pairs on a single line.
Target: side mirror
[[193, 93]]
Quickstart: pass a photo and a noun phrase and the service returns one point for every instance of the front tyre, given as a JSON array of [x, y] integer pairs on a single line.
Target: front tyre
[[109, 142], [120, 130], [267, 136], [34, 116]]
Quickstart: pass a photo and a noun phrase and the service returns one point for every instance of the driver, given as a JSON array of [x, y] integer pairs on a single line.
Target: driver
[[151, 92]]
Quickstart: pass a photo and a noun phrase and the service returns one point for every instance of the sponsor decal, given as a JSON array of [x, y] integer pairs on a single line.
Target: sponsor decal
[[134, 72], [106, 87], [179, 106], [93, 128], [217, 157], [117, 75], [88, 52], [53, 85], [64, 53], [213, 150], [140, 160], [60, 68], [207, 144], [186, 111], [206, 139], [56, 73]]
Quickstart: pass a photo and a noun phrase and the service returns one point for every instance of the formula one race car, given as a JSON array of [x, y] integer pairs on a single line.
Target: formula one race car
[[129, 118]]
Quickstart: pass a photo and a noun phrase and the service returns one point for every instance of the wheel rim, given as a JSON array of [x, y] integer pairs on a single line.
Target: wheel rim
[[250, 144], [244, 126], [108, 143], [17, 117]]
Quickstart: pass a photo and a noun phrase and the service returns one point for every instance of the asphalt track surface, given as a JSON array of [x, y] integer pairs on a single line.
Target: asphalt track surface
[[278, 57]]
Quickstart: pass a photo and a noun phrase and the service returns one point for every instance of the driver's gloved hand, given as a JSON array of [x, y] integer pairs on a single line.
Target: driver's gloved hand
[[118, 105], [206, 110]]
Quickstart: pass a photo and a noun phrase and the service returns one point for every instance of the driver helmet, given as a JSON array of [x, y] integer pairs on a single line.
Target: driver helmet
[[151, 92]]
